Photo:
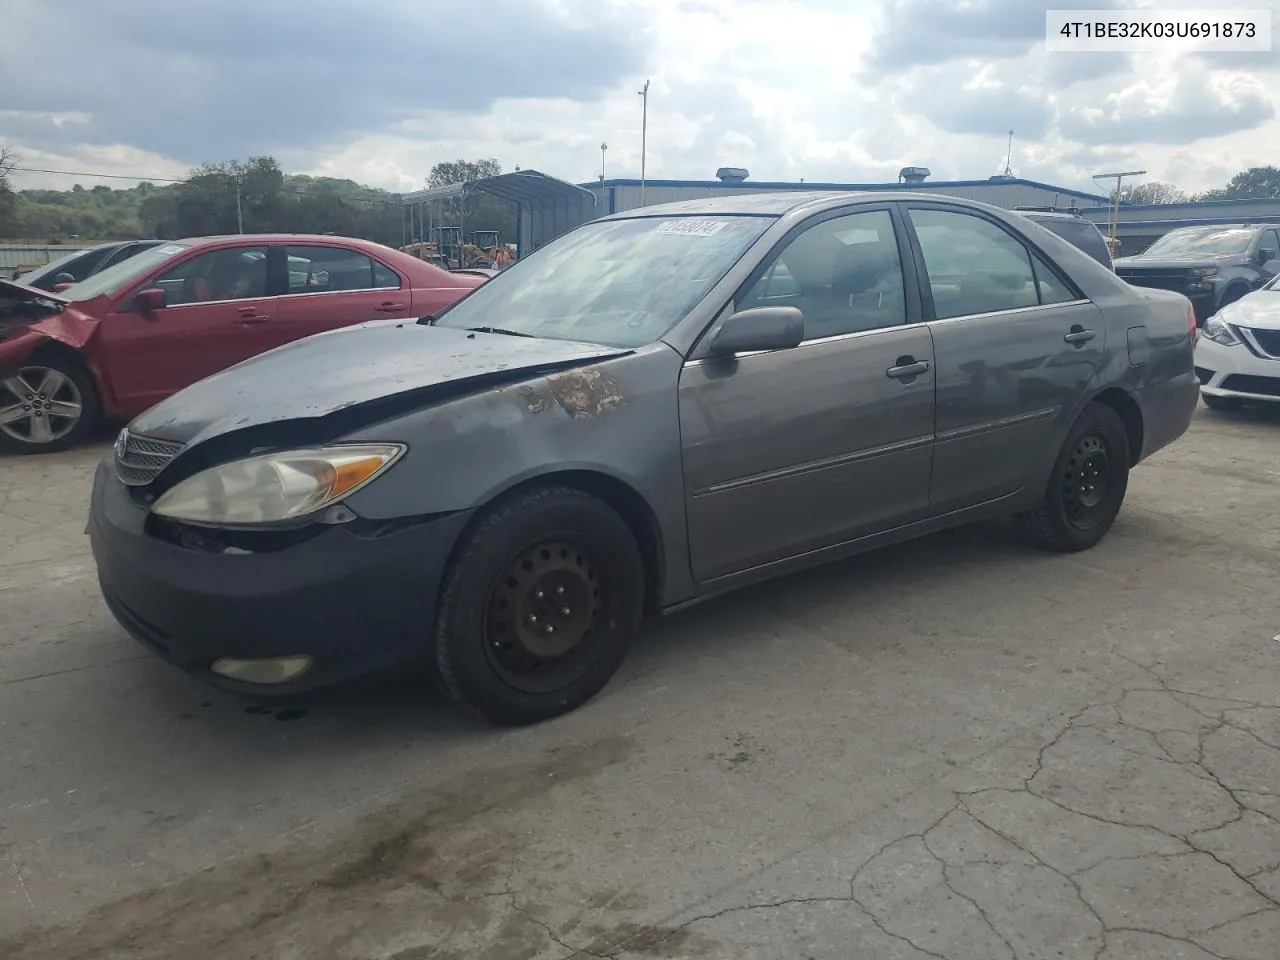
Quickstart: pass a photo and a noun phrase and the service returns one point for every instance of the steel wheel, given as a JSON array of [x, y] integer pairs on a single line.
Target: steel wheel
[[39, 405], [541, 617], [1086, 482]]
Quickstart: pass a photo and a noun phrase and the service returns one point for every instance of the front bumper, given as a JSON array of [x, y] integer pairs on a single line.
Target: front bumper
[[356, 605], [1236, 372]]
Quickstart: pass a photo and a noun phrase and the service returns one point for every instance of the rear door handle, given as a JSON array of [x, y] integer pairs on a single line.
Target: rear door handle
[[389, 307], [1079, 335], [907, 367]]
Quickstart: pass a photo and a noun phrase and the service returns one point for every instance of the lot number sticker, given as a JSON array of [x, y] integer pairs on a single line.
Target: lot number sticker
[[691, 227]]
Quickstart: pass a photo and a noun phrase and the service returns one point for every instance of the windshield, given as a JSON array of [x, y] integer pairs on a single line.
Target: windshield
[[622, 283], [1213, 241], [120, 275]]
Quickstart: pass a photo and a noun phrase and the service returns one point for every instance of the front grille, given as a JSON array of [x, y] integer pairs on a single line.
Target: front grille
[[139, 460], [1268, 341], [1177, 280], [1262, 386], [1204, 374]]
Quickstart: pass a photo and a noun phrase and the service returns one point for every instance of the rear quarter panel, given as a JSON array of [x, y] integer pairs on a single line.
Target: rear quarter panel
[[617, 417]]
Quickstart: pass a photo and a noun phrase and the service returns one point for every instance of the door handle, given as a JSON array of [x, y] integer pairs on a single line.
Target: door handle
[[249, 316], [907, 367], [389, 307], [1079, 336]]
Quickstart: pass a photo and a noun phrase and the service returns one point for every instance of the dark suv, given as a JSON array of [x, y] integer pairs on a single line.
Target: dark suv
[[1212, 266], [1073, 228], [82, 264]]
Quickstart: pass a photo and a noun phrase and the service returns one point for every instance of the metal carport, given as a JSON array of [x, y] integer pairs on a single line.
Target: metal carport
[[546, 207]]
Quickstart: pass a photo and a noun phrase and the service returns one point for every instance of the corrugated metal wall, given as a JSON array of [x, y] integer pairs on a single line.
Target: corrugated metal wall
[[13, 256], [1007, 195]]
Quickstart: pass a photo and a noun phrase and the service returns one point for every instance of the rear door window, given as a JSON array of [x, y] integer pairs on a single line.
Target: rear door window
[[320, 269], [1080, 234]]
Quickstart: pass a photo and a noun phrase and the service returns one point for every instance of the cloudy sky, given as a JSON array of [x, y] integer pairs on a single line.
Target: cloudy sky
[[836, 90]]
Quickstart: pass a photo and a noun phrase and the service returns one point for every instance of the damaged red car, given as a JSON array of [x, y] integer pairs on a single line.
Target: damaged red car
[[126, 338]]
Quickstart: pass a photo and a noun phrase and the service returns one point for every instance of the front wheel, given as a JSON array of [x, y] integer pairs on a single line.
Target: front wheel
[[1087, 486], [46, 405], [539, 608]]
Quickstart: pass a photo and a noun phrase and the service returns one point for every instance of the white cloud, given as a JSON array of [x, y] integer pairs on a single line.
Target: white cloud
[[826, 91]]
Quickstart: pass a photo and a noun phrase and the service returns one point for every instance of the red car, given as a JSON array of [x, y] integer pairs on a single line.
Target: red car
[[126, 338]]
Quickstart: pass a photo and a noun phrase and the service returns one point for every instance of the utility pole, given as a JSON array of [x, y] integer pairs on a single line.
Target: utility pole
[[1113, 221], [239, 211], [1008, 157], [603, 147], [644, 131]]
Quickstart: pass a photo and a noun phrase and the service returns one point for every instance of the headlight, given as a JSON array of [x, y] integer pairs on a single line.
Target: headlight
[[1205, 272], [275, 487], [1216, 329]]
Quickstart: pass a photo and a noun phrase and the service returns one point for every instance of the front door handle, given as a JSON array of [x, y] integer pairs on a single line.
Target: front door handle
[[1079, 335], [389, 307], [250, 317], [907, 368]]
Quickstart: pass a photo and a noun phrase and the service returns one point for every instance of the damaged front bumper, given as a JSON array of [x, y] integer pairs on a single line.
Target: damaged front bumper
[[354, 605]]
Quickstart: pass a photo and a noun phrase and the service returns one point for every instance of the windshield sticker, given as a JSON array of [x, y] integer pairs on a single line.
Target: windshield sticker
[[170, 250], [691, 227]]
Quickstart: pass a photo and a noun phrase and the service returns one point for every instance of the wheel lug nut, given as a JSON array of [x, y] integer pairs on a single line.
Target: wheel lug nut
[[541, 595], [533, 618], [550, 629], [560, 590], [565, 612]]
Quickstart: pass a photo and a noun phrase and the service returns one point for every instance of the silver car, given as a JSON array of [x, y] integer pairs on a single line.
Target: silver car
[[653, 409]]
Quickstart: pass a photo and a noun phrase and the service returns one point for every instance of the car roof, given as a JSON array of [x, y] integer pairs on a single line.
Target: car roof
[[1050, 215], [789, 202], [274, 238]]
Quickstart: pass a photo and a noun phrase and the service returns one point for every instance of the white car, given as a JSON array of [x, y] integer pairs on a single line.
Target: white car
[[1238, 354]]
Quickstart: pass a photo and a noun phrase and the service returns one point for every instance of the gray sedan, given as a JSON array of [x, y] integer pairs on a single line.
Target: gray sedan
[[656, 408]]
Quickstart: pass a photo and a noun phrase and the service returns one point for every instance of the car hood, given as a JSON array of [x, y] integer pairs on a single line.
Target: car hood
[[1260, 309], [14, 288], [361, 365], [1169, 263]]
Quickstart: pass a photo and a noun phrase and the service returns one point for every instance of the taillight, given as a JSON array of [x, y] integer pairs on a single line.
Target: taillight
[[1192, 329]]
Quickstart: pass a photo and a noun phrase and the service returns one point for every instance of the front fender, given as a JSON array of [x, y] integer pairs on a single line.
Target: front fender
[[617, 418]]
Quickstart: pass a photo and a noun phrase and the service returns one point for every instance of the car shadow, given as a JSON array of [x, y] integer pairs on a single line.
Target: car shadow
[[408, 709]]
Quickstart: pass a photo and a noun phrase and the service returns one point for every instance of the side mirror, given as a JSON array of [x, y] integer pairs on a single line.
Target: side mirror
[[65, 278], [760, 328], [1266, 255], [149, 301]]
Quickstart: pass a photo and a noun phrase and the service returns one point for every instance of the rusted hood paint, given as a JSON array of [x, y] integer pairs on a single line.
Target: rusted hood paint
[[380, 365]]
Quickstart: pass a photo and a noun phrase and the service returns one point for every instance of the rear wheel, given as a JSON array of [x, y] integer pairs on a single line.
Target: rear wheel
[[540, 607], [1087, 486], [46, 405]]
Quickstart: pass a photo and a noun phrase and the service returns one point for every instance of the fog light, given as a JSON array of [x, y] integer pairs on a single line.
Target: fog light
[[274, 670]]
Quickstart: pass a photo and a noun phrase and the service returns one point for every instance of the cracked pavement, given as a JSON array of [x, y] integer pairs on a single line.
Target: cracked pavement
[[958, 748]]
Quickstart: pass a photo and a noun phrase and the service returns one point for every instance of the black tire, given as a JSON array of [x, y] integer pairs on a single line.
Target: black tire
[[1221, 403], [489, 645], [1232, 295], [1074, 513], [23, 436]]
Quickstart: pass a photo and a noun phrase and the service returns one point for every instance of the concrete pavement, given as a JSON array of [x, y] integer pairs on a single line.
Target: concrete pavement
[[959, 748]]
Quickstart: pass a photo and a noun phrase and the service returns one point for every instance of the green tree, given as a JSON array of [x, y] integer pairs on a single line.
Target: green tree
[[1256, 183], [8, 198], [1153, 192]]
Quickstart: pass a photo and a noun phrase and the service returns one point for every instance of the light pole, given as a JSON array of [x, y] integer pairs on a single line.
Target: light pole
[[644, 132], [1113, 221], [603, 147]]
